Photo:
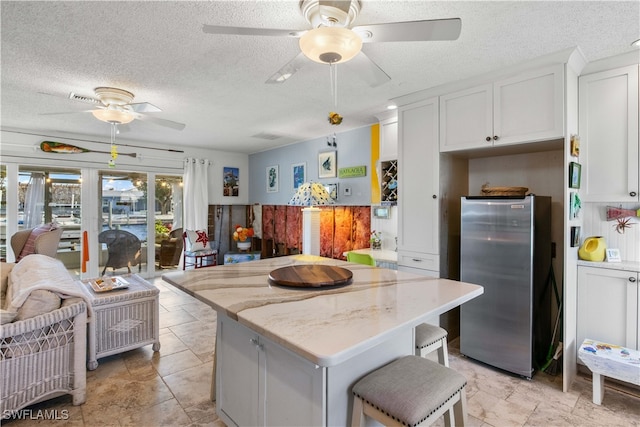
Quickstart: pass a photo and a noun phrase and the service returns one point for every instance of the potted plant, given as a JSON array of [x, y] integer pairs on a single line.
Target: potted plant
[[376, 239]]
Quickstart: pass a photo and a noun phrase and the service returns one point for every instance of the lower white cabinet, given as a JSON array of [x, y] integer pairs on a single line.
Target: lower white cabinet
[[608, 306], [255, 368]]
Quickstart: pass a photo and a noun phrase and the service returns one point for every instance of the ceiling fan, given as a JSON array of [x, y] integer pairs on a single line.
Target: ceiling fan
[[115, 106], [332, 39]]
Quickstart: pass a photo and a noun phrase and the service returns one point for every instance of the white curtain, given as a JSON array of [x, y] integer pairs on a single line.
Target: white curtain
[[34, 201], [176, 205], [196, 194]]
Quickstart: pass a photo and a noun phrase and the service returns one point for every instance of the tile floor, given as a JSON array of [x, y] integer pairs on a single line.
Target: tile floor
[[171, 387]]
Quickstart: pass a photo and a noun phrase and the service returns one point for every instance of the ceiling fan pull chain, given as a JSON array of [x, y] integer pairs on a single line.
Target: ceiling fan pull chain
[[114, 148]]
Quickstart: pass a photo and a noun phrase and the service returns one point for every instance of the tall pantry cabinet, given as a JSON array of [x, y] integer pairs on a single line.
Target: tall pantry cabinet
[[418, 184]]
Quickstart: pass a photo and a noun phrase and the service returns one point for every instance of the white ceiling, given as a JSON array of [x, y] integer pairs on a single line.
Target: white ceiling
[[215, 83]]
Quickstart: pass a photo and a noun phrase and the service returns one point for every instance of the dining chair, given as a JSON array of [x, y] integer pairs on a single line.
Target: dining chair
[[197, 251], [358, 258]]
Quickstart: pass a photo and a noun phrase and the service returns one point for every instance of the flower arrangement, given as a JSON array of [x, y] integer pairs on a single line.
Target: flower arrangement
[[376, 239], [242, 233]]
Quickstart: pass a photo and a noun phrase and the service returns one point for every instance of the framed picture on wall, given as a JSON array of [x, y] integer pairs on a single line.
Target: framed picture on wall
[[231, 181], [327, 167], [574, 175], [298, 174], [272, 179]]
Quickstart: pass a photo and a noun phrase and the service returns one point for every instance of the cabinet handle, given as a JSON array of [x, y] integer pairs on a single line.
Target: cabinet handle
[[417, 260], [434, 196], [632, 279], [633, 194], [488, 139], [495, 137], [254, 341]]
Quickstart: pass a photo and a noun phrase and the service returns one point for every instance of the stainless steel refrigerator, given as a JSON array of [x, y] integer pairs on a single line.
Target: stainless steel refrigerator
[[505, 246]]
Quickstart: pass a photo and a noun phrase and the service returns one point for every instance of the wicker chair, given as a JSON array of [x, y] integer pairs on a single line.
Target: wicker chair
[[123, 249], [45, 244], [43, 357]]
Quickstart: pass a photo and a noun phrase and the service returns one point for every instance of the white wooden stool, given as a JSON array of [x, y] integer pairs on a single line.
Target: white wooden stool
[[430, 338], [410, 391], [609, 360]]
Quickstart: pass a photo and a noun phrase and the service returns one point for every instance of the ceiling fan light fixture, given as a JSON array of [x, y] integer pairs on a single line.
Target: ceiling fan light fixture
[[330, 45], [113, 116]]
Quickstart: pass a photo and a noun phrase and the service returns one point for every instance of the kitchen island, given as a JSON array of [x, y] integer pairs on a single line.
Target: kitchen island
[[289, 356]]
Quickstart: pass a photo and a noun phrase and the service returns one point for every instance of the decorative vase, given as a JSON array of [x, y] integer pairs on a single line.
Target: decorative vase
[[244, 245], [593, 249], [376, 244]]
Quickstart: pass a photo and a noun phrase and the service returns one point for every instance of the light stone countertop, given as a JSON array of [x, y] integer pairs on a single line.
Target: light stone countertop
[[325, 326]]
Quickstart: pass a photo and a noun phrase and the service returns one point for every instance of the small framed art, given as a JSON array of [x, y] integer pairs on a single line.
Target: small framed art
[[272, 179], [298, 174], [575, 145], [575, 171], [327, 167]]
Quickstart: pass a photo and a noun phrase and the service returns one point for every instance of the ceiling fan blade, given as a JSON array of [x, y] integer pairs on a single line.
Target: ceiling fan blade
[[64, 112], [144, 107], [289, 69], [162, 122], [368, 70], [242, 31], [430, 30]]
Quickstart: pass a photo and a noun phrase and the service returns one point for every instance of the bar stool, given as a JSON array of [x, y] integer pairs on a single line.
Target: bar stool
[[430, 338], [410, 391]]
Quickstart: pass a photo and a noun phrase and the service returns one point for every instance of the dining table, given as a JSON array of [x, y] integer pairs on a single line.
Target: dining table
[[294, 333]]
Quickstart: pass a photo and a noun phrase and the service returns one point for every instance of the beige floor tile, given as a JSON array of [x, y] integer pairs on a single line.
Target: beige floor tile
[[176, 362], [177, 317], [608, 414], [168, 413], [480, 404], [203, 412], [547, 414], [192, 386], [505, 413]]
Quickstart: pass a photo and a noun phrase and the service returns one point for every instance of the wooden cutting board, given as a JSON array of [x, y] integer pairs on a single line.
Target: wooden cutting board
[[311, 276]]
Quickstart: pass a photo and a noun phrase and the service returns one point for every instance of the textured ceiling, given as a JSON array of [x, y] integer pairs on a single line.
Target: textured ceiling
[[215, 83]]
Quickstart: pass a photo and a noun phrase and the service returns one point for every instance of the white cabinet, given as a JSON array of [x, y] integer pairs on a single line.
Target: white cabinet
[[608, 129], [255, 368], [608, 306], [528, 107], [418, 185], [389, 139]]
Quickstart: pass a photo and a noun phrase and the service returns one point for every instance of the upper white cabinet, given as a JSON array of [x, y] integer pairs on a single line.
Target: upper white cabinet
[[418, 185], [389, 139], [608, 128], [528, 107]]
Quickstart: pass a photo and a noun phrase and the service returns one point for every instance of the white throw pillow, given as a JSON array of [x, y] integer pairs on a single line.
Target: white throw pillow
[[198, 240]]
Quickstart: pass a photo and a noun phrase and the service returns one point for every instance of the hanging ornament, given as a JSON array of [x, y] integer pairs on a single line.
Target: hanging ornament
[[335, 118]]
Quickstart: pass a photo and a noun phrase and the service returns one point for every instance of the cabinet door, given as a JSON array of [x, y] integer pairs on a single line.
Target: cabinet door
[[389, 139], [294, 391], [418, 169], [608, 123], [466, 119], [608, 306], [529, 107], [237, 384]]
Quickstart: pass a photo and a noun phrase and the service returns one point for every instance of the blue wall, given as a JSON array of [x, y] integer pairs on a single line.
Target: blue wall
[[354, 149]]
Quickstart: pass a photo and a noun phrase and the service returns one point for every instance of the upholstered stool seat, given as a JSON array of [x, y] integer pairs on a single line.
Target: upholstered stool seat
[[430, 338], [410, 391]]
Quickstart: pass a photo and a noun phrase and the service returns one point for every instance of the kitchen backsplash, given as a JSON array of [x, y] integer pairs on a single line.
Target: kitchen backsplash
[[596, 224]]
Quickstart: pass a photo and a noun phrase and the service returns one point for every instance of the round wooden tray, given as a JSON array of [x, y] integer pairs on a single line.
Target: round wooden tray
[[311, 276]]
